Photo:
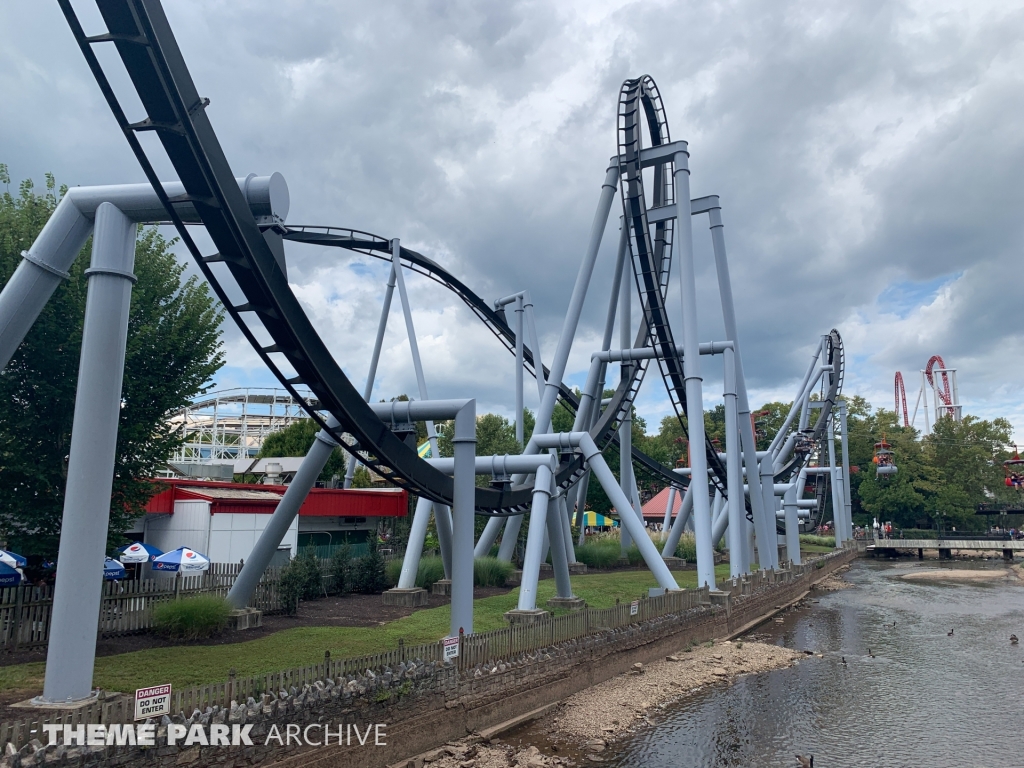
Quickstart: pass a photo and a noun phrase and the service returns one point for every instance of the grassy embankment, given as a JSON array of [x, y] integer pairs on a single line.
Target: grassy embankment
[[198, 664]]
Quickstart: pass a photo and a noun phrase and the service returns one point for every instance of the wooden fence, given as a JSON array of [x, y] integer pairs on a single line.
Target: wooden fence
[[127, 606], [475, 649]]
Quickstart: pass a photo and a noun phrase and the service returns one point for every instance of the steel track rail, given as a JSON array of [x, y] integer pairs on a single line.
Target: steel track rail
[[652, 254], [146, 45], [380, 248]]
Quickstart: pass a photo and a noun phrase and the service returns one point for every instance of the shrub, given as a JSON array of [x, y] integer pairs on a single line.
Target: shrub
[[368, 576], [491, 572], [602, 553], [819, 541], [300, 580], [919, 533], [192, 618], [431, 570], [634, 556], [340, 567], [392, 571], [687, 548]]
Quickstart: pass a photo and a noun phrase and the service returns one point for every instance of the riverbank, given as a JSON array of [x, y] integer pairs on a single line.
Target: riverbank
[[963, 574], [577, 730]]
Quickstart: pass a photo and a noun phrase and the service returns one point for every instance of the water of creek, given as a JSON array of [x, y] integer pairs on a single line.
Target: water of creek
[[924, 699]]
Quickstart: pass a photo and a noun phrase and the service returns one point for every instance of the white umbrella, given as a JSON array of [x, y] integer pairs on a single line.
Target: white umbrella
[[182, 560]]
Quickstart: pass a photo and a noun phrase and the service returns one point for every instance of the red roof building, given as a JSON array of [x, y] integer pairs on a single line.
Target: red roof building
[[224, 520]]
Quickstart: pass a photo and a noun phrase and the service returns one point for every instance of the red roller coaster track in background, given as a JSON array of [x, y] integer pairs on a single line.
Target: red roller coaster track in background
[[901, 400], [943, 391]]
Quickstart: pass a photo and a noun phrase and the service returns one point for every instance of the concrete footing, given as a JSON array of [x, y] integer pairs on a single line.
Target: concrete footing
[[570, 603], [674, 563], [442, 587], [407, 598], [245, 618], [546, 571], [577, 569], [517, 616], [515, 579]]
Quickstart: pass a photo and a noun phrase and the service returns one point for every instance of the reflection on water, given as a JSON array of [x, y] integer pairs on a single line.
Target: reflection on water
[[924, 699]]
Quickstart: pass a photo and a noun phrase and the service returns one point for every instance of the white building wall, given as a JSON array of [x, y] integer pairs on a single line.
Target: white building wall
[[224, 538], [233, 535], [189, 526]]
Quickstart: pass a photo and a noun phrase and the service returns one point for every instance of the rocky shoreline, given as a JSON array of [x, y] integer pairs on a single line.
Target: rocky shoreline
[[834, 581], [587, 723]]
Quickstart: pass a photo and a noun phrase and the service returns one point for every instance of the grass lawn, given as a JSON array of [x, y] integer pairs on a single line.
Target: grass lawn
[[196, 665], [816, 549]]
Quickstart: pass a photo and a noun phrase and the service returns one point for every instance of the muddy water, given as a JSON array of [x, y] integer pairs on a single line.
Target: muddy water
[[907, 696]]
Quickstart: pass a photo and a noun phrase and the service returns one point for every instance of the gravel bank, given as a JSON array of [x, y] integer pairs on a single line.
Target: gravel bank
[[834, 581], [587, 722], [606, 711]]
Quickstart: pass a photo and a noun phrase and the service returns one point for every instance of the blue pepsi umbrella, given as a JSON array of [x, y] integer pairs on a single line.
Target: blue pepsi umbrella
[[139, 553], [8, 576], [112, 569], [183, 560], [11, 559]]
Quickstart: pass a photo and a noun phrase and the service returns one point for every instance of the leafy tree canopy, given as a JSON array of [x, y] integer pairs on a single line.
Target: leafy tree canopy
[[173, 351]]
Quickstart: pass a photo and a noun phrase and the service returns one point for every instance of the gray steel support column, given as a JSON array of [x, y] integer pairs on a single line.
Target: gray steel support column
[[443, 524], [718, 517], [556, 536], [490, 534], [287, 508], [748, 552], [685, 510], [378, 343], [733, 470], [845, 445], [463, 514], [721, 525], [535, 540], [647, 549], [442, 515], [414, 547], [572, 318], [762, 523], [76, 603], [519, 369], [575, 308], [513, 524], [838, 500], [795, 408], [41, 270], [509, 538], [692, 372], [792, 525], [50, 257], [668, 509], [625, 426], [767, 544], [563, 518]]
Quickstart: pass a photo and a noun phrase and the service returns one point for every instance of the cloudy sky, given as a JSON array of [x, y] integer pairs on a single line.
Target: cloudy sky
[[868, 156]]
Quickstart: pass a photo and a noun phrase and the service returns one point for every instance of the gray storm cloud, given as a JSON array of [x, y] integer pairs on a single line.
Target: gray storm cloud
[[855, 146]]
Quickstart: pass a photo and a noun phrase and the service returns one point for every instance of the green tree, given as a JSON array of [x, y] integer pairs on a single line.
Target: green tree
[[173, 351], [296, 439]]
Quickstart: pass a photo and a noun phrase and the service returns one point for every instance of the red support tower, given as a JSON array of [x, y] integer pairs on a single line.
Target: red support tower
[[901, 400], [942, 391]]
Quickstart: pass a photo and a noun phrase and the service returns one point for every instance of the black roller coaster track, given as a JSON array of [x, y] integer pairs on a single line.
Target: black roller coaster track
[[246, 264], [380, 248], [245, 261]]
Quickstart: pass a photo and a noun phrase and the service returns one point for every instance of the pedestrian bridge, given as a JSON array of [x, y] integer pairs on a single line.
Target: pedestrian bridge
[[946, 545]]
